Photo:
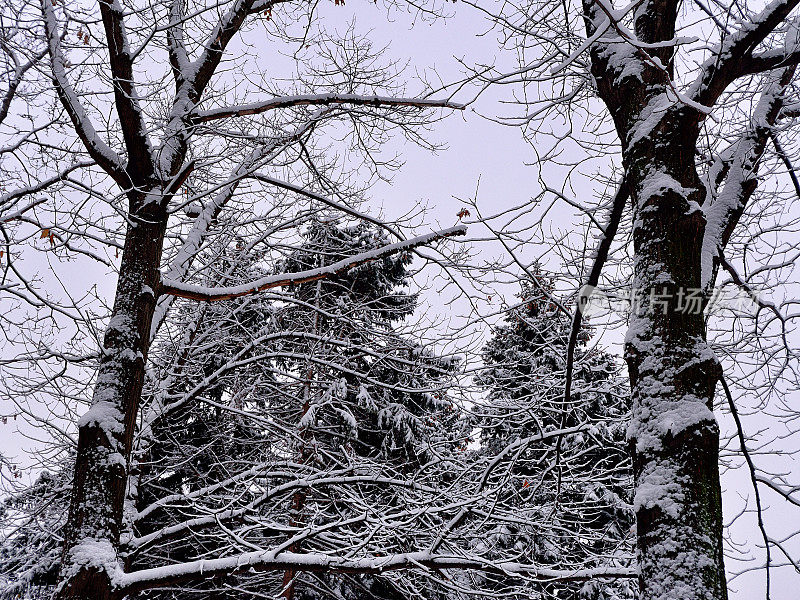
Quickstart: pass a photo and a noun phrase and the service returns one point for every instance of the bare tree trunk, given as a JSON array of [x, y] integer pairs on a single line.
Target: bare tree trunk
[[673, 431], [105, 433], [673, 372]]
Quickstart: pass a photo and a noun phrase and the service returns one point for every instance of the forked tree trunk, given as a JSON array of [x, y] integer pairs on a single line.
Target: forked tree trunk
[[673, 372], [105, 432]]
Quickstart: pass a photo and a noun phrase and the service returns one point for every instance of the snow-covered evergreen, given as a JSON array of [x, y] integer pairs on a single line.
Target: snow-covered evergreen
[[329, 390], [567, 498]]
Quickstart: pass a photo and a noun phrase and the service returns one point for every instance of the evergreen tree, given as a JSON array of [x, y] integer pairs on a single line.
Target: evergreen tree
[[567, 489], [31, 518], [365, 393], [315, 381]]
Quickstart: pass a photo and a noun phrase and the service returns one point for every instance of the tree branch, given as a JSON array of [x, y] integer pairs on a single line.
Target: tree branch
[[101, 152], [620, 199], [134, 131], [734, 55], [753, 479], [10, 198], [725, 210], [256, 108], [183, 290], [205, 66], [786, 161], [176, 45], [130, 583], [324, 200], [767, 61], [185, 255], [19, 74]]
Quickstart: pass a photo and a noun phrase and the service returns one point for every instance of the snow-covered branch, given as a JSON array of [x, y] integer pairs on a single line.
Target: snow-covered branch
[[126, 101], [256, 108], [733, 57], [195, 292], [270, 561], [10, 197], [17, 78], [218, 39], [184, 257], [724, 210], [101, 152]]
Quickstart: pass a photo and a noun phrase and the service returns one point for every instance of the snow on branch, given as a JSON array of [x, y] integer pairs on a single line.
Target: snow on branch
[[631, 57], [101, 152], [195, 292], [206, 64], [11, 197], [771, 59], [734, 55], [17, 77], [129, 583], [131, 118], [725, 209], [265, 5], [185, 255], [256, 108]]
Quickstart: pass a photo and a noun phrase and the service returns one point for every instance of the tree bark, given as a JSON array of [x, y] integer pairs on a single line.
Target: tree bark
[[105, 432], [673, 432], [673, 372]]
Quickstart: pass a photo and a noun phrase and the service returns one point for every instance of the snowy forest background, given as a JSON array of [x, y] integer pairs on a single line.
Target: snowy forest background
[[412, 402]]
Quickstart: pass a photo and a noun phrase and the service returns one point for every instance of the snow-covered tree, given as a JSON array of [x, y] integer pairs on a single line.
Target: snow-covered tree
[[332, 388], [164, 133], [160, 129], [33, 516], [566, 499], [678, 116]]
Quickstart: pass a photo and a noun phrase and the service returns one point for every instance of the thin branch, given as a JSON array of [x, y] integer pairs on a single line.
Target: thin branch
[[600, 257], [753, 478], [786, 161]]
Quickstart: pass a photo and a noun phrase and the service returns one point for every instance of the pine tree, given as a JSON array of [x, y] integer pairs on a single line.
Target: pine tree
[[334, 388], [567, 496], [31, 518], [367, 390]]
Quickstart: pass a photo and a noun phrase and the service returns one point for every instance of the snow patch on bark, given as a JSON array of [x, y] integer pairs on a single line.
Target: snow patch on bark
[[623, 60], [656, 183], [674, 417], [91, 553], [648, 118], [121, 322], [104, 415], [657, 488]]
